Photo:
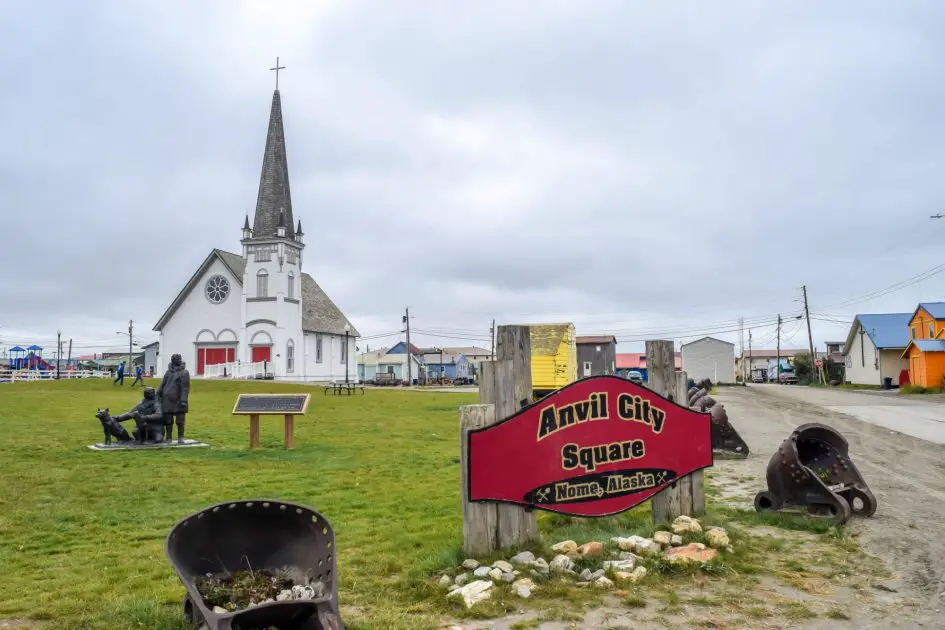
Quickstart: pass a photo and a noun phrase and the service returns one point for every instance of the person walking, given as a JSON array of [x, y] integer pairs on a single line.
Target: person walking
[[120, 377], [139, 377]]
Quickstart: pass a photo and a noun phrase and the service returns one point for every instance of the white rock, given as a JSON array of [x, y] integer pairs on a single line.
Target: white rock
[[560, 564], [686, 525], [717, 538], [626, 555], [284, 595], [585, 575], [603, 582], [540, 565], [508, 577], [619, 565], [462, 579], [524, 558], [303, 592], [482, 572], [455, 587], [503, 566], [526, 582], [676, 540], [637, 574], [565, 546], [647, 546], [470, 564], [474, 592], [445, 580], [664, 539], [219, 610], [495, 574], [523, 591]]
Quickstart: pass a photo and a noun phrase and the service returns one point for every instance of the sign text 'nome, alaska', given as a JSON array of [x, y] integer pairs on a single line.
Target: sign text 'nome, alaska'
[[596, 447]]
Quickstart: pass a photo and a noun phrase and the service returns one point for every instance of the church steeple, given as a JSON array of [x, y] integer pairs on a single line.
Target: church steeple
[[274, 201]]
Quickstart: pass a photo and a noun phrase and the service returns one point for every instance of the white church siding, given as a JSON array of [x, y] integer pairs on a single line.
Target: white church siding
[[198, 319], [273, 310]]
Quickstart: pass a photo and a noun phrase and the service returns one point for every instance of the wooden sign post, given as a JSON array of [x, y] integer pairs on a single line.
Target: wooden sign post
[[596, 447], [287, 405]]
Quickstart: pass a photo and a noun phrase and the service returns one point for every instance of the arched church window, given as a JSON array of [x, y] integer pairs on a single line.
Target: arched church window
[[217, 289], [291, 285], [290, 356], [262, 284]]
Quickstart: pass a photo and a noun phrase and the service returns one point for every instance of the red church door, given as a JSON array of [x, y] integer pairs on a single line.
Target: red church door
[[262, 353], [214, 356]]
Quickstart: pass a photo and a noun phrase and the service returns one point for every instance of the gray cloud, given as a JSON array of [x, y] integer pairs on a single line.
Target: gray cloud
[[627, 166]]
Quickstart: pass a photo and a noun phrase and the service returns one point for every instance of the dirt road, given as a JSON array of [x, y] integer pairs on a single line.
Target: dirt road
[[906, 474], [918, 416]]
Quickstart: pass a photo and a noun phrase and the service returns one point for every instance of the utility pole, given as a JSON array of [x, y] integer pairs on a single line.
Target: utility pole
[[779, 350], [810, 337], [131, 329], [750, 358], [492, 330], [409, 351], [58, 351], [69, 359]]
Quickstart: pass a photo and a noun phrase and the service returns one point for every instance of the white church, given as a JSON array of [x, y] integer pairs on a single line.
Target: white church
[[256, 310]]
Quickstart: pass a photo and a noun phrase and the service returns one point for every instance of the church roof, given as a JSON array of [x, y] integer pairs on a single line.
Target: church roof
[[274, 197], [319, 313]]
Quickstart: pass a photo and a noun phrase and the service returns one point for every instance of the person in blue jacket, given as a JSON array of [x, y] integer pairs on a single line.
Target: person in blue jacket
[[120, 377], [139, 377]]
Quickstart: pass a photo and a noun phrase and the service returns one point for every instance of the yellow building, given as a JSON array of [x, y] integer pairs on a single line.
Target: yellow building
[[554, 357], [926, 349]]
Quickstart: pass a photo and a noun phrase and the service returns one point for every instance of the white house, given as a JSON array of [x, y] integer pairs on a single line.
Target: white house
[[257, 307], [709, 358], [874, 347]]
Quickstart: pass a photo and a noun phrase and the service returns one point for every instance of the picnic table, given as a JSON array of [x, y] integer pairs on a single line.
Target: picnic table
[[343, 388]]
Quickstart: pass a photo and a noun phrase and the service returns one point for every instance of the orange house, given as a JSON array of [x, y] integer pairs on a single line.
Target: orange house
[[926, 349]]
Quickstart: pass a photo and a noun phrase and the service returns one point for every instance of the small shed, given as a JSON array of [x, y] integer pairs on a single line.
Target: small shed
[[596, 355], [709, 358]]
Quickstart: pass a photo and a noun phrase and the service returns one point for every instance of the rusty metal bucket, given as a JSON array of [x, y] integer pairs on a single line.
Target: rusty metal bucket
[[260, 534], [725, 439], [812, 469]]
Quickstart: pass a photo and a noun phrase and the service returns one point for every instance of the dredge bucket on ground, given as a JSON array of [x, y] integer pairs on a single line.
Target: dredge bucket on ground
[[812, 470], [725, 439], [262, 535]]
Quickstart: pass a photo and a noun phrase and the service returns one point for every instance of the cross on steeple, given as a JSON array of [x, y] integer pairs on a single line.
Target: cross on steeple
[[277, 69]]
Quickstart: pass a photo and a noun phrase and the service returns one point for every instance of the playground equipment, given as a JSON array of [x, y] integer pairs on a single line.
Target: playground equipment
[[28, 359]]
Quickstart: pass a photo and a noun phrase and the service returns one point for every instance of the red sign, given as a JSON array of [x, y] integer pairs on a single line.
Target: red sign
[[596, 447]]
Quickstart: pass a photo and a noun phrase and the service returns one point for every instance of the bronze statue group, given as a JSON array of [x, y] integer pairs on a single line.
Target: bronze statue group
[[157, 413]]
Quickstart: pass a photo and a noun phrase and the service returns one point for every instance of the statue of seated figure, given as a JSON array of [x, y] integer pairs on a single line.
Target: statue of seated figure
[[149, 420]]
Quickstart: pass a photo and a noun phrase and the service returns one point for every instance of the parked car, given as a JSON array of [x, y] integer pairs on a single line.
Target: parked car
[[635, 377], [758, 378], [788, 378]]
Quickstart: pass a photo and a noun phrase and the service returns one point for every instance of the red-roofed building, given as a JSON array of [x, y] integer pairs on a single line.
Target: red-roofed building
[[627, 361]]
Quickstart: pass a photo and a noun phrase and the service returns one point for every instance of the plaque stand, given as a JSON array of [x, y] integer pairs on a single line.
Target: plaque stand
[[286, 405]]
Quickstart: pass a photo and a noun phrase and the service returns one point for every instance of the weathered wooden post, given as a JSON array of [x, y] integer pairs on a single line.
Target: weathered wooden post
[[684, 484], [661, 378], [505, 386], [479, 519], [516, 526]]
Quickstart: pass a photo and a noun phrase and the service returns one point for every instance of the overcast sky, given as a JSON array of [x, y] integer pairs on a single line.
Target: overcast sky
[[639, 168]]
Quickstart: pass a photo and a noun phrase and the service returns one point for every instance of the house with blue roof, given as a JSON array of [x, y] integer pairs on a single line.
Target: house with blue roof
[[874, 348], [925, 353]]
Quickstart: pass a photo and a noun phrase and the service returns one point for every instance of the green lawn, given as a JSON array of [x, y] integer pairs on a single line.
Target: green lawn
[[83, 531]]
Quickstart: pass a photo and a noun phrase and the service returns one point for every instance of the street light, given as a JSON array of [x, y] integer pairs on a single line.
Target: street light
[[347, 358]]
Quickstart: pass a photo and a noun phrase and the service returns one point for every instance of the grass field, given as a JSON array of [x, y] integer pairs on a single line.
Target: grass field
[[83, 532]]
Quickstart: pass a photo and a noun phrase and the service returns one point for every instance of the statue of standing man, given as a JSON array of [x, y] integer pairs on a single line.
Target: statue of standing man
[[173, 393]]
